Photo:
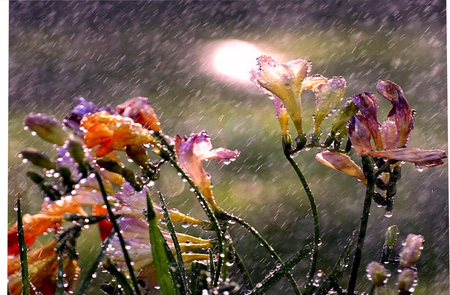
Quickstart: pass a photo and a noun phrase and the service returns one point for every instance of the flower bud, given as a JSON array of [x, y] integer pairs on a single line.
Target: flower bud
[[38, 158], [411, 250], [407, 280], [48, 128], [377, 274], [391, 235]]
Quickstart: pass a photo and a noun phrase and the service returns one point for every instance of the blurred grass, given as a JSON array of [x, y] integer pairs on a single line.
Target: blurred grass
[[110, 54]]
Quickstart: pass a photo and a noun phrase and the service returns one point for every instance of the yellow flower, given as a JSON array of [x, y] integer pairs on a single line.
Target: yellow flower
[[113, 132], [283, 80]]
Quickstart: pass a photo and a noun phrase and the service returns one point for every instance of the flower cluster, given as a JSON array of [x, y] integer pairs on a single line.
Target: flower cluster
[[88, 142]]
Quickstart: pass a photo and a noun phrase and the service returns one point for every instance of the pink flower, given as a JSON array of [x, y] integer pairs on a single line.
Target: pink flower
[[192, 151], [390, 137]]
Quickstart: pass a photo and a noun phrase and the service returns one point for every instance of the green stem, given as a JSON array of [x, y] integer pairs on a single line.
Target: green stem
[[269, 248], [314, 213], [118, 232], [22, 248], [243, 269], [368, 172]]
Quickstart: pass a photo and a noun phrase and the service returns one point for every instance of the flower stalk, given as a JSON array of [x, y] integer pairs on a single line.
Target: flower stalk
[[370, 189]]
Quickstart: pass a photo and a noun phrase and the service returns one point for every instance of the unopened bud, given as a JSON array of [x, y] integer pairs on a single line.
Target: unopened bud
[[411, 250], [38, 158], [391, 235], [407, 280], [48, 128], [377, 274]]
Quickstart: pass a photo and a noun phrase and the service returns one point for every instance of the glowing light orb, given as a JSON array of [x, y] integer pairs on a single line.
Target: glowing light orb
[[235, 59]]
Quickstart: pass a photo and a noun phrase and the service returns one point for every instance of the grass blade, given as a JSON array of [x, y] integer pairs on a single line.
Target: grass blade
[[160, 259]]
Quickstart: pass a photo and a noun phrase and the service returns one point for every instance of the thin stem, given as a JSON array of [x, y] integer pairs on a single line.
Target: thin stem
[[368, 172], [312, 204], [243, 269], [119, 234], [269, 248], [22, 248]]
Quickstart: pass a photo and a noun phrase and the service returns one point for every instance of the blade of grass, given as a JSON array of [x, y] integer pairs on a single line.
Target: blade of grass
[[22, 248], [160, 259]]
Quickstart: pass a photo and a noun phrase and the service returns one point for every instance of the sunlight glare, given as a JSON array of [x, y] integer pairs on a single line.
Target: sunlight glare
[[235, 59]]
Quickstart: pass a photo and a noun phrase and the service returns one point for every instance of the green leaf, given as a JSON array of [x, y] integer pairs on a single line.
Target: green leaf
[[160, 259]]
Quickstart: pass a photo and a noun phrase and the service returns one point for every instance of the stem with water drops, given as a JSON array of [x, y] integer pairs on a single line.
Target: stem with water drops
[[370, 189], [315, 214], [268, 248], [118, 232]]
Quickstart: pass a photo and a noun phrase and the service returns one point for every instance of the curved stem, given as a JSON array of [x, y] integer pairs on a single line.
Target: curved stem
[[268, 247], [368, 172], [314, 213]]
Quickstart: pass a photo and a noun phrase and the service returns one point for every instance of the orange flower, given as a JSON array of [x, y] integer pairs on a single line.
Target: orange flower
[[50, 217], [113, 132], [43, 265], [141, 112]]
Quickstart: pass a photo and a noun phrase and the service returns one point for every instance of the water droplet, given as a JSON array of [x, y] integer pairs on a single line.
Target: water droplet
[[388, 214], [419, 168]]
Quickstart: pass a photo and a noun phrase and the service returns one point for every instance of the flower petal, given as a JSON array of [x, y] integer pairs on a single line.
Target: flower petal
[[421, 158], [342, 163]]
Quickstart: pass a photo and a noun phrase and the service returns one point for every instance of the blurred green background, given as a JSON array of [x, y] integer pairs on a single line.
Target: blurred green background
[[110, 51]]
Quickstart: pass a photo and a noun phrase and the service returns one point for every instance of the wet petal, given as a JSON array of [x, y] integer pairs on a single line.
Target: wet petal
[[401, 111], [359, 135], [141, 112], [191, 151], [328, 96], [411, 250], [285, 82], [367, 104], [342, 163], [113, 132], [421, 158]]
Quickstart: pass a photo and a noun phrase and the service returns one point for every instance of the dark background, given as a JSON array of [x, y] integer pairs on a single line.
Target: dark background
[[110, 51]]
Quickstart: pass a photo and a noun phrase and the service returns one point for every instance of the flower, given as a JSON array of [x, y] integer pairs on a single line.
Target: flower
[[141, 112], [192, 151], [43, 265], [390, 137], [48, 128], [342, 163], [113, 132], [407, 280], [328, 95], [50, 217], [283, 80]]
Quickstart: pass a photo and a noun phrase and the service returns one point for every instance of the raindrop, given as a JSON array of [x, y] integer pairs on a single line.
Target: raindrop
[[94, 275], [388, 214], [185, 224], [419, 168]]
